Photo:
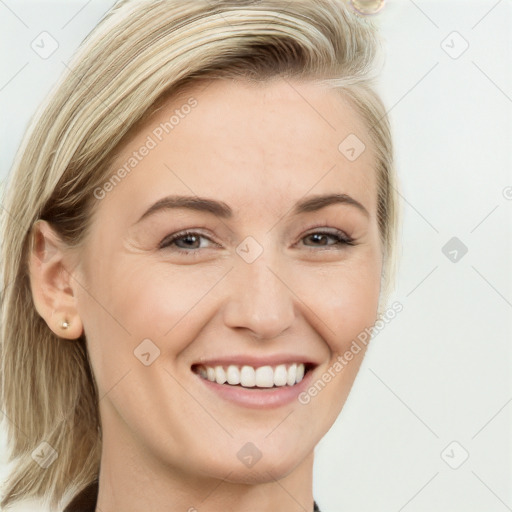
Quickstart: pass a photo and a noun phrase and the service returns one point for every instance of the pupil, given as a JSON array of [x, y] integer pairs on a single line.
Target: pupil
[[318, 236]]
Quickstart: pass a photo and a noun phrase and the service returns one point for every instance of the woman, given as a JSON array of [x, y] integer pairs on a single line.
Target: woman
[[200, 222]]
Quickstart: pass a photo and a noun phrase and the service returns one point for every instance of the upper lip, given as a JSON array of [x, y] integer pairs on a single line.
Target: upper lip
[[256, 361]]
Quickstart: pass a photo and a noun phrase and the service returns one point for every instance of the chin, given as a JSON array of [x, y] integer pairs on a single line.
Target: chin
[[272, 464], [262, 472]]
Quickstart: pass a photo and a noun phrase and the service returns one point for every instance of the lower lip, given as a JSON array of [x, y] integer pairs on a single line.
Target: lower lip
[[259, 398]]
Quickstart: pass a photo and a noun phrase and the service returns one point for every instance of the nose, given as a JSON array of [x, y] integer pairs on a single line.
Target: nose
[[260, 298]]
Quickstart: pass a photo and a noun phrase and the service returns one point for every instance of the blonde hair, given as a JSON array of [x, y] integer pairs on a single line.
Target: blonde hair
[[139, 54]]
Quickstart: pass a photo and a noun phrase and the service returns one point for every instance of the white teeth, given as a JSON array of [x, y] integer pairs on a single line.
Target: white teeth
[[264, 377], [210, 373], [300, 373], [280, 375], [292, 375], [220, 375], [233, 375], [249, 377]]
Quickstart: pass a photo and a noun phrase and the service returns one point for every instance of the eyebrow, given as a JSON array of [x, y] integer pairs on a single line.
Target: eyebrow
[[222, 210]]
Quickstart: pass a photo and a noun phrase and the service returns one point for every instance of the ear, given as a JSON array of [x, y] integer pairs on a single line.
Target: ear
[[52, 281]]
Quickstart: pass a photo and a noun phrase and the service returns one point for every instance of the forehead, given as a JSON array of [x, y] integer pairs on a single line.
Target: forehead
[[260, 143]]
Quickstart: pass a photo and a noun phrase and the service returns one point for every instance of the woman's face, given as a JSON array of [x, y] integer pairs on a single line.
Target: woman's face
[[263, 279]]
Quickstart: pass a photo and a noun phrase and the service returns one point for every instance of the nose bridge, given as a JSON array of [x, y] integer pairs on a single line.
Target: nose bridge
[[260, 299]]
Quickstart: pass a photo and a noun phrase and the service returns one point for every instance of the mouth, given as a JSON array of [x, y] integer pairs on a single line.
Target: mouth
[[255, 377]]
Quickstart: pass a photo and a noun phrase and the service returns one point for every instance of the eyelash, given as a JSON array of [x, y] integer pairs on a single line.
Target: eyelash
[[341, 240]]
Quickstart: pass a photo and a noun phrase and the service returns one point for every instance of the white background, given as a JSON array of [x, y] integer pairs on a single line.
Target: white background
[[439, 372]]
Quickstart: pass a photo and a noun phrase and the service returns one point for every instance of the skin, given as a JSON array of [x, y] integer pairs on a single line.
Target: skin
[[169, 444]]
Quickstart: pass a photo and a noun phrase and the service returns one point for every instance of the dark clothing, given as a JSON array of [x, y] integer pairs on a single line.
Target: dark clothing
[[86, 500]]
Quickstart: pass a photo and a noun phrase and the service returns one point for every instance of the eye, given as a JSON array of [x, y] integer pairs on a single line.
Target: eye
[[337, 238], [189, 242], [185, 242]]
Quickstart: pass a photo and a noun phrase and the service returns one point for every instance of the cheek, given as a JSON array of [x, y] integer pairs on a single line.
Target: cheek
[[152, 300], [345, 300]]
